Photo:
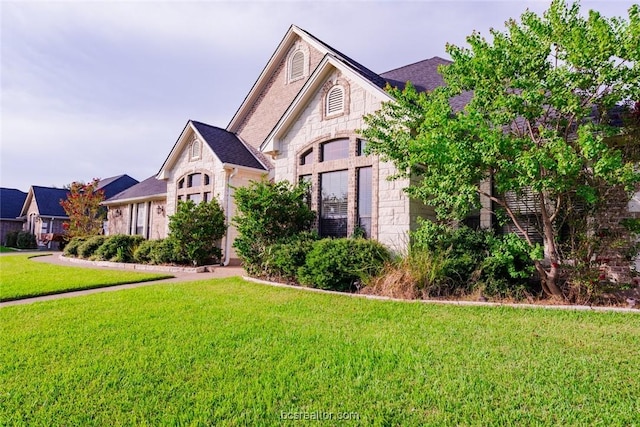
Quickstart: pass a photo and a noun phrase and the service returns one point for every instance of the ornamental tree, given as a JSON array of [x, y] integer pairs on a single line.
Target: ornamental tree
[[196, 230], [536, 125], [82, 206]]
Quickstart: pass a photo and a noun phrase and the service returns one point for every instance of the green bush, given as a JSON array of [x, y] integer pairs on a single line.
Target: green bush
[[196, 230], [11, 239], [26, 240], [119, 248], [162, 251], [282, 260], [142, 253], [342, 264], [88, 248], [268, 213], [71, 249], [498, 265]]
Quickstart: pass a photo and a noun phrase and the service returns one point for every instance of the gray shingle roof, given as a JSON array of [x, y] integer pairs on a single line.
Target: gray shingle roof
[[227, 146], [361, 69], [147, 188], [424, 76], [48, 200], [115, 184], [11, 202]]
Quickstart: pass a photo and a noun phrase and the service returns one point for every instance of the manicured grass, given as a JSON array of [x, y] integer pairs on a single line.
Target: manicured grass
[[5, 249], [233, 353], [21, 277]]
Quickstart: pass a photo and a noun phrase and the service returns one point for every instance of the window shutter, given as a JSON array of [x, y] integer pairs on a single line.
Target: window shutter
[[335, 100], [297, 66]]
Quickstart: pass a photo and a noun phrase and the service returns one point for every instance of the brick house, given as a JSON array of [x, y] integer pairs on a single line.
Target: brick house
[[298, 122]]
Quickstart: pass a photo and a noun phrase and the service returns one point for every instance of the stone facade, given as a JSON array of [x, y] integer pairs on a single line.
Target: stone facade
[[121, 218]]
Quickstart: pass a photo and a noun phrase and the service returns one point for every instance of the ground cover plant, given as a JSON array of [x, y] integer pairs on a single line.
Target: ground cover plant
[[228, 352], [21, 277]]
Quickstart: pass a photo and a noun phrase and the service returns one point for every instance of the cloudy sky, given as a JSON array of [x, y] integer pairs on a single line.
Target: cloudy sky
[[100, 88]]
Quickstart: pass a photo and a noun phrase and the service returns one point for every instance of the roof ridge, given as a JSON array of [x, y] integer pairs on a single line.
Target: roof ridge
[[417, 62]]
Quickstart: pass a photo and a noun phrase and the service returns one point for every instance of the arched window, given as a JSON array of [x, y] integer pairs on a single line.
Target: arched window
[[196, 186], [296, 66], [335, 101]]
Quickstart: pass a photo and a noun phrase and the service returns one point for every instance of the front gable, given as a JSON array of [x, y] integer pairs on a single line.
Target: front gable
[[295, 58]]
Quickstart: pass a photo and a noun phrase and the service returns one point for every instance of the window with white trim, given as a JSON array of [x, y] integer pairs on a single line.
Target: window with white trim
[[335, 101]]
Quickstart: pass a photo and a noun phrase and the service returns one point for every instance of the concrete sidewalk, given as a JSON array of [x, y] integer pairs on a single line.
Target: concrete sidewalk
[[180, 276]]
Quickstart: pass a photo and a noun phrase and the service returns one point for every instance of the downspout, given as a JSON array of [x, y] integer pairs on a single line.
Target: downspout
[[227, 240]]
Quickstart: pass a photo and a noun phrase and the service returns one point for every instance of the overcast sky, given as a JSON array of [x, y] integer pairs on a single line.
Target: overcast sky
[[97, 89]]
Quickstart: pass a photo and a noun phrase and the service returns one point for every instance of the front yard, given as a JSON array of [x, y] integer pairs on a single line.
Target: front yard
[[229, 352], [21, 277]]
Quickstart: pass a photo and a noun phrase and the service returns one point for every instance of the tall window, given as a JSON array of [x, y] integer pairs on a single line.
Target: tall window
[[195, 149], [335, 100], [365, 198], [333, 206], [141, 216], [308, 179]]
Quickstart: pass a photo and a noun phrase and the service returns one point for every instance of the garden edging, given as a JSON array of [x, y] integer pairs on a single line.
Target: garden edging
[[141, 267], [452, 302]]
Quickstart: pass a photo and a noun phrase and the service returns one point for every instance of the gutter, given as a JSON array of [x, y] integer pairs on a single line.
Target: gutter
[[227, 240]]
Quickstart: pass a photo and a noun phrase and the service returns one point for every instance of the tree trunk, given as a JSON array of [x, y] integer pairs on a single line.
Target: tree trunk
[[550, 277]]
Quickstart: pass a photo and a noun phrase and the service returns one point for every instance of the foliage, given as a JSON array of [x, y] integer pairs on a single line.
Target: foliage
[[196, 230], [26, 240], [215, 352], [11, 239], [343, 264], [23, 277], [282, 260], [467, 261], [536, 125], [119, 248], [89, 247], [71, 249], [268, 213], [82, 206], [162, 251]]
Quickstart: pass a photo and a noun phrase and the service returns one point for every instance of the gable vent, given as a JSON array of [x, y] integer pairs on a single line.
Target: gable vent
[[335, 100], [297, 66]]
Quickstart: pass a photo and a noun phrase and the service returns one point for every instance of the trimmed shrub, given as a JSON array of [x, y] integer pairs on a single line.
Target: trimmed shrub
[[282, 260], [26, 240], [343, 264], [162, 251], [11, 239], [71, 249], [119, 248], [142, 253], [197, 229], [88, 248], [268, 213]]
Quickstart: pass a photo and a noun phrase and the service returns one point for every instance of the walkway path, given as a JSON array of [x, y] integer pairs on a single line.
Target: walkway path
[[219, 272]]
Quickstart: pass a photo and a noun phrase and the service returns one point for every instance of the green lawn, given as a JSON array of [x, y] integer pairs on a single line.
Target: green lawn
[[21, 277], [5, 249], [230, 352]]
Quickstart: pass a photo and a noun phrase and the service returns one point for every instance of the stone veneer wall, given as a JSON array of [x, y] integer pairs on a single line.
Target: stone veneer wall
[[275, 98], [392, 210], [121, 223]]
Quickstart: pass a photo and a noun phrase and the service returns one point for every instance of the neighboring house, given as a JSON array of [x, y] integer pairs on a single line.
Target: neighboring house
[[42, 215], [11, 202]]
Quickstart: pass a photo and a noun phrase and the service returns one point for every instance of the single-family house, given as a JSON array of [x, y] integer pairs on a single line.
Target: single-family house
[[42, 215], [11, 201], [299, 122]]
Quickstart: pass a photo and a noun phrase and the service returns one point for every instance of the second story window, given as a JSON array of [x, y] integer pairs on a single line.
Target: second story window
[[335, 101]]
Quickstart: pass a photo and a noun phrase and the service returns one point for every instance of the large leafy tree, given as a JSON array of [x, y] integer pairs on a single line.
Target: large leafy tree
[[82, 206], [536, 124]]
